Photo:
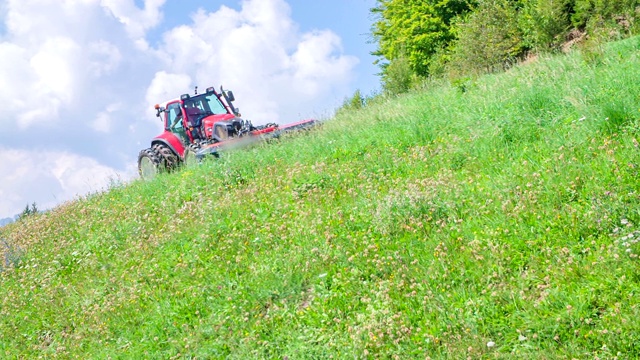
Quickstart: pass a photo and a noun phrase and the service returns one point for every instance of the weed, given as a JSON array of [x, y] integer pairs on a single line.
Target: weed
[[12, 255]]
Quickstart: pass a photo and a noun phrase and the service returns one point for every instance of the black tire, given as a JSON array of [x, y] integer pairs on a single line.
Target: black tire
[[156, 159], [167, 157], [149, 164]]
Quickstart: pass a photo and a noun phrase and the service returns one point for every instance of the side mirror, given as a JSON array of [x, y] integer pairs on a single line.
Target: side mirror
[[230, 95], [159, 109]]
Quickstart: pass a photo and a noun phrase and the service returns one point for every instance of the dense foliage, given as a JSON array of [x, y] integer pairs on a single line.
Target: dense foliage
[[420, 38]]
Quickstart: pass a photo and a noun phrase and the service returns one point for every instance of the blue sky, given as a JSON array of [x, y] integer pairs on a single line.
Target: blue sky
[[81, 78]]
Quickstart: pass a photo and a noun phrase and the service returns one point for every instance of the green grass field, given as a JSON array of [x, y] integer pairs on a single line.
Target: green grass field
[[497, 219]]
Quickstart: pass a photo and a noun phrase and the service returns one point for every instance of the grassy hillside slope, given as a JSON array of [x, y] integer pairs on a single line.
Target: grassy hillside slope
[[503, 211]]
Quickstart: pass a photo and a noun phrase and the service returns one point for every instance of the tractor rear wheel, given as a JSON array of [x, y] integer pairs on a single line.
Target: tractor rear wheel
[[149, 164]]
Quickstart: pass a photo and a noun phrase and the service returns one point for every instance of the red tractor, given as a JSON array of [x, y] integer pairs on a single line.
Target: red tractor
[[199, 125]]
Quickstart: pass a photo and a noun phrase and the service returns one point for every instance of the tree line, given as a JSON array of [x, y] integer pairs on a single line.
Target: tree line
[[418, 39], [29, 210]]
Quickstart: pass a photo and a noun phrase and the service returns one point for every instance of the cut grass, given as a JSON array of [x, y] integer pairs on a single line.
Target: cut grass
[[425, 226]]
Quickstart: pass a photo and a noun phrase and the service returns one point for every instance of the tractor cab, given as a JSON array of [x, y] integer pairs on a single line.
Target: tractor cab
[[210, 116]]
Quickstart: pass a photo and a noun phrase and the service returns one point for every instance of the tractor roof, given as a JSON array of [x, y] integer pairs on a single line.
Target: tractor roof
[[164, 104]]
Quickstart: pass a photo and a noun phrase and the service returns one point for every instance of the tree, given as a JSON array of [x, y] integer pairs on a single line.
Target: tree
[[355, 102], [398, 77], [29, 210], [415, 29], [420, 38]]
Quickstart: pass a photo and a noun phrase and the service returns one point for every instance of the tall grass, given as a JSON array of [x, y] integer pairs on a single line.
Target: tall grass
[[496, 222]]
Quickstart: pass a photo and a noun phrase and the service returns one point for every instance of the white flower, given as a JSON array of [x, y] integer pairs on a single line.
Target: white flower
[[491, 344], [522, 338]]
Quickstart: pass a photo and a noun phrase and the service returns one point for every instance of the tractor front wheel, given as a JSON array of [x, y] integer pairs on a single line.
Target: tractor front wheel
[[190, 157]]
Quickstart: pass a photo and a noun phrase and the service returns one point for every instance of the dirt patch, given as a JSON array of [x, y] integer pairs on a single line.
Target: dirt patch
[[530, 58], [574, 37]]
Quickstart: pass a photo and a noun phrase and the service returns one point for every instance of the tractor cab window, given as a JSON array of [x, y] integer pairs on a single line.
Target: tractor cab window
[[174, 117], [175, 120], [203, 105], [215, 105]]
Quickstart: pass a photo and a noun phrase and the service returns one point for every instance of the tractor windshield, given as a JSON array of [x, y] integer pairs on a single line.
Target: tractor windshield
[[204, 105]]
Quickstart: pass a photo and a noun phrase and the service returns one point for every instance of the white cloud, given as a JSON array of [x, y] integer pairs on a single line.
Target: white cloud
[[53, 66], [72, 95], [136, 21], [165, 87], [15, 77], [104, 57], [103, 122], [38, 80], [51, 52], [31, 20], [48, 178], [316, 65]]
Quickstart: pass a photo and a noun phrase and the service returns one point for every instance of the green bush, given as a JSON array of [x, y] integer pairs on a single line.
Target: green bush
[[545, 23], [489, 40], [592, 12], [355, 102], [398, 77]]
